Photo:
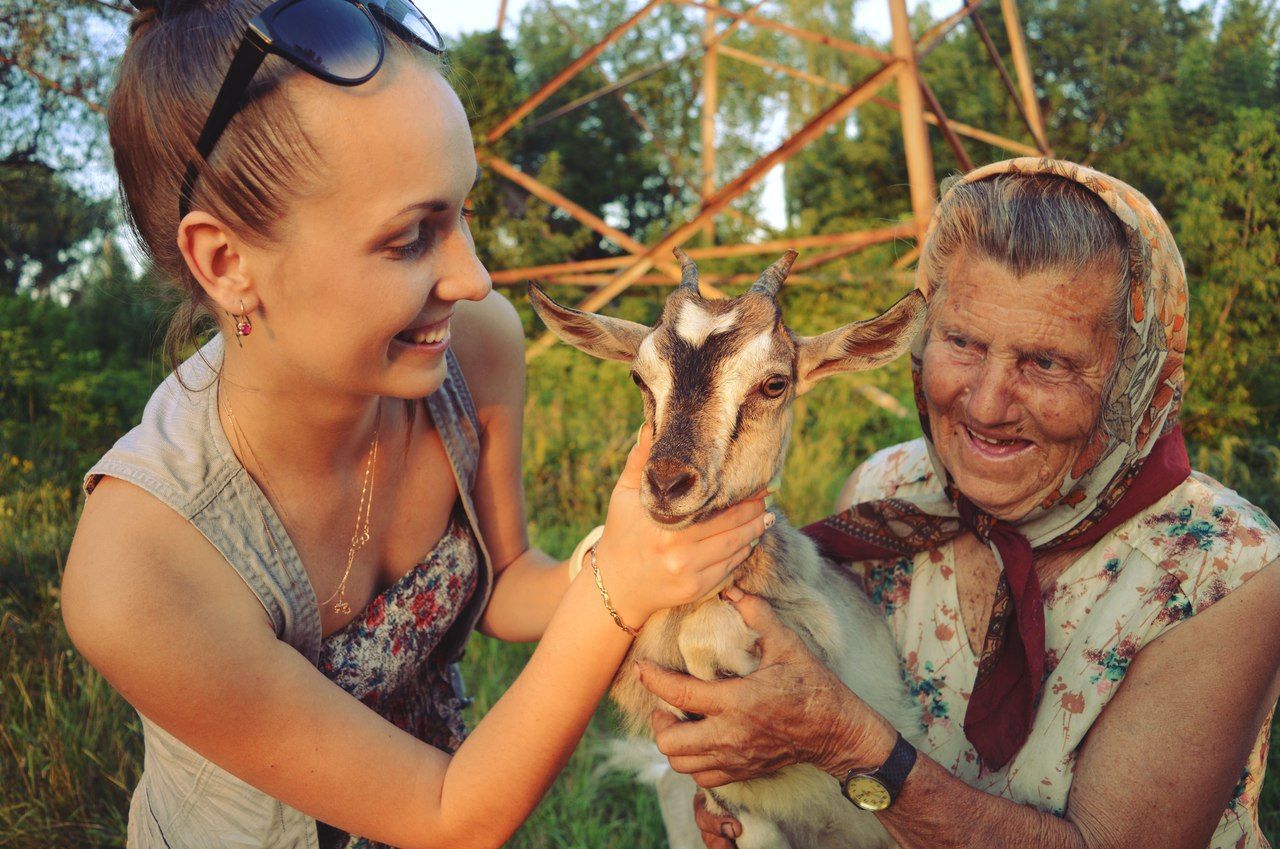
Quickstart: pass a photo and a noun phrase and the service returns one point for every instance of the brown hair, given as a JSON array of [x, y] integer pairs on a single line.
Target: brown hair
[[168, 77]]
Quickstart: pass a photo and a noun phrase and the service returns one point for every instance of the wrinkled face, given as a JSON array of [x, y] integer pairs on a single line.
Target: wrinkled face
[[1014, 375], [382, 246], [718, 379]]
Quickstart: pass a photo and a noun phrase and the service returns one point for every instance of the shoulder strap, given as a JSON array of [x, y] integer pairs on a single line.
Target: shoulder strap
[[454, 414]]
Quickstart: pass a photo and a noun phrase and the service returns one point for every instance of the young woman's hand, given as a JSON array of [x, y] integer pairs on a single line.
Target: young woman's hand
[[647, 567]]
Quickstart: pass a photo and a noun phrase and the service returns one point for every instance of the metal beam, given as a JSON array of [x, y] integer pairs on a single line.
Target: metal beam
[[994, 53], [915, 134], [710, 86], [544, 192], [803, 34], [948, 132], [856, 96], [966, 130], [860, 238], [569, 72], [1022, 66]]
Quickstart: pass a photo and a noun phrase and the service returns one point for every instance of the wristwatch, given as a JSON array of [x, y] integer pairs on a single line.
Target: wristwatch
[[876, 790]]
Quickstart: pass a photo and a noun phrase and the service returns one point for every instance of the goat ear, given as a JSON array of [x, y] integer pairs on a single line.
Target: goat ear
[[599, 335], [862, 345]]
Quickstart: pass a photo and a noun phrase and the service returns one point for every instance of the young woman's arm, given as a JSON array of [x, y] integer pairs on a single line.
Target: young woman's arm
[[489, 344], [159, 612]]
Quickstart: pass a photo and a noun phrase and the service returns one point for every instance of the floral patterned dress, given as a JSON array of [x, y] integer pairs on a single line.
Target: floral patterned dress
[[383, 657], [1168, 563]]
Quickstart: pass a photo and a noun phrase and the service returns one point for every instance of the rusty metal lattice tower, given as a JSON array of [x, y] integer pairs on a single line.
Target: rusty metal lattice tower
[[916, 103]]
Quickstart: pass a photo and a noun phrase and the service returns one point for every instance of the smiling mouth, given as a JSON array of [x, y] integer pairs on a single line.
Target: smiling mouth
[[992, 447], [426, 335]]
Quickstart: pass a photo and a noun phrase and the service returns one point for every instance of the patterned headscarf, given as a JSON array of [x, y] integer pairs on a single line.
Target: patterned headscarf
[[1134, 457]]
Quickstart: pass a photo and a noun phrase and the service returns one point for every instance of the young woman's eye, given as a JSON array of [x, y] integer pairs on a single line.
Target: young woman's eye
[[468, 212], [413, 249]]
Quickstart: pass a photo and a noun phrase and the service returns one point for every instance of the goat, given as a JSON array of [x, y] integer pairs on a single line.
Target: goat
[[718, 379]]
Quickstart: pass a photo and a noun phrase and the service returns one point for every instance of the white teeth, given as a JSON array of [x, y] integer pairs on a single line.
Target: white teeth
[[429, 337]]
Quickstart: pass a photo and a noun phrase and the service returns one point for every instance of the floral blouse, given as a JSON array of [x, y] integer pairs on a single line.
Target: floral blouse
[[384, 657], [1166, 564]]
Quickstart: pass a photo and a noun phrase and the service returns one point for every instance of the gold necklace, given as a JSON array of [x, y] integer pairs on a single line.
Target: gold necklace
[[363, 511]]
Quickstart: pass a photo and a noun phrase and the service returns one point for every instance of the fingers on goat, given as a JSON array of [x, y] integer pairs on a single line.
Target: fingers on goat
[[740, 515], [718, 570], [713, 841], [660, 720], [711, 778], [759, 615], [676, 689], [718, 830], [693, 764]]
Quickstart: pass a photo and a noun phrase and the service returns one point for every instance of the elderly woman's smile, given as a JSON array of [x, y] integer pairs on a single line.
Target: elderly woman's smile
[[1015, 368]]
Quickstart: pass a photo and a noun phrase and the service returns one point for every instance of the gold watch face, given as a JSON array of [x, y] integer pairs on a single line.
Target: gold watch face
[[867, 793]]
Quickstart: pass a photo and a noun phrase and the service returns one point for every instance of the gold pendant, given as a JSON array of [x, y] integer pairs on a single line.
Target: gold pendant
[[342, 607]]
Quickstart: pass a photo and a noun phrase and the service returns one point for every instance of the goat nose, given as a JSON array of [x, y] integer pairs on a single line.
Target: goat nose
[[670, 478]]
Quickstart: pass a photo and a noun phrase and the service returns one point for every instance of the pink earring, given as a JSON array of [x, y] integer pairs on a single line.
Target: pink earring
[[243, 326]]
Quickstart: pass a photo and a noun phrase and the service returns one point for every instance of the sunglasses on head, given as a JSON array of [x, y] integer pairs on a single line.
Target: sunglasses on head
[[336, 40]]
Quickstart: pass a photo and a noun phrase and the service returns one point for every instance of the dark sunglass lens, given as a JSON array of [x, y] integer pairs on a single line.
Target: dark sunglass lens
[[337, 37], [409, 16]]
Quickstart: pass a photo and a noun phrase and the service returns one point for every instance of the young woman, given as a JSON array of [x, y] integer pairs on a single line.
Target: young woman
[[279, 564]]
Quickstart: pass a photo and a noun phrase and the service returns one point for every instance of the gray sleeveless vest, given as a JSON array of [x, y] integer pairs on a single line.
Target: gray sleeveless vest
[[180, 454]]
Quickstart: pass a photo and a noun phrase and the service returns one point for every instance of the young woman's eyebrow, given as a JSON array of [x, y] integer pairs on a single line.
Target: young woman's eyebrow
[[435, 205]]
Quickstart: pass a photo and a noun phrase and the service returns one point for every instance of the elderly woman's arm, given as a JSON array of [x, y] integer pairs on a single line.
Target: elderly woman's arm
[[1157, 769]]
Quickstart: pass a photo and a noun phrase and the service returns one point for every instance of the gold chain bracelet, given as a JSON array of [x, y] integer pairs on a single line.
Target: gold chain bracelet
[[604, 594]]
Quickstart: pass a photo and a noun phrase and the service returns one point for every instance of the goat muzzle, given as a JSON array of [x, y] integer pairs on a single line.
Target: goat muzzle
[[669, 479]]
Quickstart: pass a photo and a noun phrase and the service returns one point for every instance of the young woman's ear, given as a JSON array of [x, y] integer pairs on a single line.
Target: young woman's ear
[[214, 257]]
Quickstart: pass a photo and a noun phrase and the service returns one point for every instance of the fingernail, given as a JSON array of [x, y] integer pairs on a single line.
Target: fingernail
[[769, 519], [729, 830], [733, 593]]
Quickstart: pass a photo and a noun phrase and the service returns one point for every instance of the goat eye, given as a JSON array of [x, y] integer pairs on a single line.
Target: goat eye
[[636, 379], [773, 387]]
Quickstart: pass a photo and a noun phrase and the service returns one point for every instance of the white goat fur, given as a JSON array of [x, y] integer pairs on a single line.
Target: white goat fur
[[701, 369], [799, 806]]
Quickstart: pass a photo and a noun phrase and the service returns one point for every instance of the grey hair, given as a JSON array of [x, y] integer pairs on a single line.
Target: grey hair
[[1030, 223]]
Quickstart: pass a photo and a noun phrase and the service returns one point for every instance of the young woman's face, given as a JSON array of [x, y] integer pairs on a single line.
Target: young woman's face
[[358, 291]]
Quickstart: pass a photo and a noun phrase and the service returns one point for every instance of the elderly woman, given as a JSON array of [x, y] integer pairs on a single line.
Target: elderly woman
[[1092, 630]]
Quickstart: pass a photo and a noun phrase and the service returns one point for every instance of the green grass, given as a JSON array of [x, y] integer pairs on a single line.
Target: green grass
[[70, 748]]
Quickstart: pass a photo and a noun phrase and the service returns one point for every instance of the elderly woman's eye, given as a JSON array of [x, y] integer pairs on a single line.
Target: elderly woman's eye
[[774, 386], [959, 341], [1044, 363]]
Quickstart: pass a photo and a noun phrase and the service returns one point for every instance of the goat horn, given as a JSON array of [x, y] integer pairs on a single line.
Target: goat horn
[[774, 276], [688, 270]]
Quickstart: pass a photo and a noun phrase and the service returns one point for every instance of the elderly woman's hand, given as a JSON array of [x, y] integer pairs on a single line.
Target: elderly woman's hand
[[718, 831], [792, 709]]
